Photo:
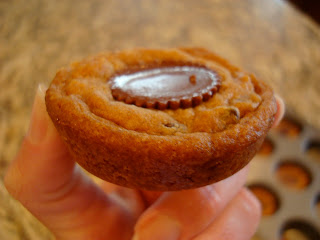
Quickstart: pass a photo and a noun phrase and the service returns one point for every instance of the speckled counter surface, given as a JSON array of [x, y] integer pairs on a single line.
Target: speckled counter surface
[[267, 37]]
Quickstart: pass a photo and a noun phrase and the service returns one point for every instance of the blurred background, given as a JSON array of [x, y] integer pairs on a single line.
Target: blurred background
[[277, 40]]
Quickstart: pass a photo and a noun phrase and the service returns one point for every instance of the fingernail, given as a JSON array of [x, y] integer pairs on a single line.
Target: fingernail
[[39, 123], [158, 228]]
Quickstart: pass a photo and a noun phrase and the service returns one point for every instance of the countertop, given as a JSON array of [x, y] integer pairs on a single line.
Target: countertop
[[268, 37]]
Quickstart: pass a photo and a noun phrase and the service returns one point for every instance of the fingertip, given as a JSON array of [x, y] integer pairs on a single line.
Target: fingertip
[[239, 220], [280, 110], [41, 127]]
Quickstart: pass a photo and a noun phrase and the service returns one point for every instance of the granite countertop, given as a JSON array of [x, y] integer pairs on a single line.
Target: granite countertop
[[268, 37]]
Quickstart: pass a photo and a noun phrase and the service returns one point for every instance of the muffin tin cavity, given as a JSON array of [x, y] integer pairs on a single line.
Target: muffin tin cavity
[[313, 150], [268, 198], [289, 128], [299, 230], [317, 206], [293, 175], [285, 177]]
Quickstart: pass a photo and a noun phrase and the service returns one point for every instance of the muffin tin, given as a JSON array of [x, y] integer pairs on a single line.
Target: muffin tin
[[285, 176]]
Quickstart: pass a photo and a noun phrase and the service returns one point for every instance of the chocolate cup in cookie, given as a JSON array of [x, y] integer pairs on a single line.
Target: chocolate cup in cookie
[[160, 119]]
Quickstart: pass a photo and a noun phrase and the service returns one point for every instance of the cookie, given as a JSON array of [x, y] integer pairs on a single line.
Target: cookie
[[160, 119]]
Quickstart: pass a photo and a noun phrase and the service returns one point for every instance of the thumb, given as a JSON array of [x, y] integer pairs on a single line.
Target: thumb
[[42, 164], [46, 180]]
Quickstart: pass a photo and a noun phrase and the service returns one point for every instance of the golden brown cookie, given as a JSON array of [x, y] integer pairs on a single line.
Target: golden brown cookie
[[160, 119]]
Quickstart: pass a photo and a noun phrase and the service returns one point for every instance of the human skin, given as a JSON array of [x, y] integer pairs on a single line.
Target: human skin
[[49, 183]]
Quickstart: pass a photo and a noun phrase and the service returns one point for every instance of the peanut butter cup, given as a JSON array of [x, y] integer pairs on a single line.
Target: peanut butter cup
[[166, 87], [160, 119]]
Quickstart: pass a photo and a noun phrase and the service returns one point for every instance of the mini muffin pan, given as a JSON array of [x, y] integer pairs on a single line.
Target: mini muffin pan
[[285, 177]]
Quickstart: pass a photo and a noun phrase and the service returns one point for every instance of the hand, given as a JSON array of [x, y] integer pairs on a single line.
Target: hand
[[45, 179]]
